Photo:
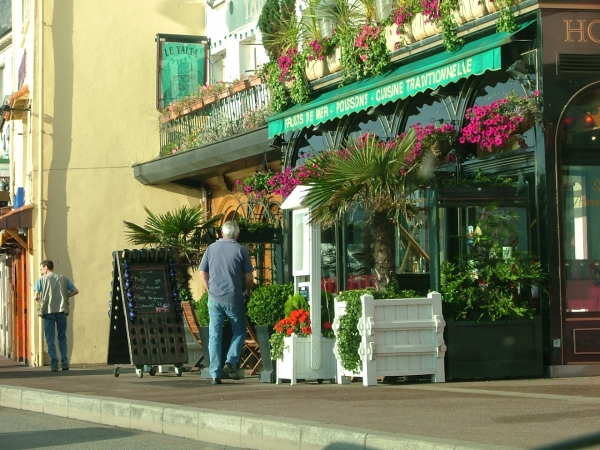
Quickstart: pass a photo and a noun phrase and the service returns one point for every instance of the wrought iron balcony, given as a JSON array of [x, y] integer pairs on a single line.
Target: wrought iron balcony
[[208, 122]]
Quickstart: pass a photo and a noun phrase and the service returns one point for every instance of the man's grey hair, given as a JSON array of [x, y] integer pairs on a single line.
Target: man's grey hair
[[230, 230]]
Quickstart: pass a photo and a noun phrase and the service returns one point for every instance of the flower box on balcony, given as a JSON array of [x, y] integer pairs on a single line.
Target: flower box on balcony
[[240, 86], [254, 80], [224, 94], [208, 99]]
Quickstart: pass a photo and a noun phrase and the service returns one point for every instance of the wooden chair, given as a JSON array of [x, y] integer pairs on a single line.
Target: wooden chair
[[192, 322], [250, 358]]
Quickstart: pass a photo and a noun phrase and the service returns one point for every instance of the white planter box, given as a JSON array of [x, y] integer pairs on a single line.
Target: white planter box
[[399, 337], [295, 363]]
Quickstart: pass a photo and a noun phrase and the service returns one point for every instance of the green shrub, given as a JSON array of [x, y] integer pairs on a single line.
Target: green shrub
[[201, 307], [267, 303], [293, 303]]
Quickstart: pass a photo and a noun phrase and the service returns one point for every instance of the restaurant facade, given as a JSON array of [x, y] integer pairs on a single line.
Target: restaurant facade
[[554, 51]]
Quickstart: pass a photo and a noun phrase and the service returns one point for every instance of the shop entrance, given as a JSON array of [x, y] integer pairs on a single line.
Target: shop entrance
[[579, 180]]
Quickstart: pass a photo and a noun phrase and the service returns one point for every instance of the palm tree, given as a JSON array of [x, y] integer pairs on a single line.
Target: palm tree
[[185, 230], [371, 174]]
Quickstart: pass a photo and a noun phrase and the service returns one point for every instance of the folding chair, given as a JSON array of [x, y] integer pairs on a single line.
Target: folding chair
[[192, 322], [250, 352]]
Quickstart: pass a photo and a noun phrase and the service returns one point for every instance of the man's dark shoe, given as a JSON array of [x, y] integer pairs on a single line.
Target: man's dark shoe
[[65, 368], [216, 381], [230, 370], [53, 368]]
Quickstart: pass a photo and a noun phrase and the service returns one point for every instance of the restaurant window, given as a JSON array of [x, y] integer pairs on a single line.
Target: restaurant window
[[314, 140], [357, 258], [495, 86], [581, 239], [581, 124]]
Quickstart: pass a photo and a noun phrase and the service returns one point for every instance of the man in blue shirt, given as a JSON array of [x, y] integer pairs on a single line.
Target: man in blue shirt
[[224, 264], [52, 291]]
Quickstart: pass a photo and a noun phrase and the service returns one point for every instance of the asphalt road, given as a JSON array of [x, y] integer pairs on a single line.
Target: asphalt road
[[20, 430]]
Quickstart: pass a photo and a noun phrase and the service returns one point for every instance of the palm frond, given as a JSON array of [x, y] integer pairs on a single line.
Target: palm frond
[[368, 173]]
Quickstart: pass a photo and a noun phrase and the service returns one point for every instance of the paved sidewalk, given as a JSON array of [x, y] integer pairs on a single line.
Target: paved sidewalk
[[247, 413]]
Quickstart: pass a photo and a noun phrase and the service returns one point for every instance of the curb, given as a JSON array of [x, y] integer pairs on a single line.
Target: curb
[[235, 429]]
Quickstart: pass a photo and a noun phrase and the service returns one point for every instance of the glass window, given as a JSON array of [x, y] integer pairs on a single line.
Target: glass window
[[581, 239], [413, 238], [496, 85], [358, 259], [581, 124], [312, 142], [329, 261]]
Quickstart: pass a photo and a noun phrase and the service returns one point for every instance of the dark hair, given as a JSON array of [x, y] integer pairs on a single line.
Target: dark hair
[[48, 263]]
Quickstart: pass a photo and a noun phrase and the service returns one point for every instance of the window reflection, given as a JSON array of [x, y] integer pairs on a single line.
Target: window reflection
[[581, 124], [581, 240], [358, 259]]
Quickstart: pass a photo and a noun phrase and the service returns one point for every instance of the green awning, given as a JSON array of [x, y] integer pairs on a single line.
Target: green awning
[[405, 81]]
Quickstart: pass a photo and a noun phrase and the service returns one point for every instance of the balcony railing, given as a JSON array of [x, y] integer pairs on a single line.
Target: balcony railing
[[231, 115]]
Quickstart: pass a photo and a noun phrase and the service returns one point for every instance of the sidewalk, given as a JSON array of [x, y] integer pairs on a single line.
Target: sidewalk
[[247, 413]]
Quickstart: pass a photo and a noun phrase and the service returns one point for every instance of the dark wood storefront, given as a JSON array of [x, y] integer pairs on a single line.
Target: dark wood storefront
[[571, 72]]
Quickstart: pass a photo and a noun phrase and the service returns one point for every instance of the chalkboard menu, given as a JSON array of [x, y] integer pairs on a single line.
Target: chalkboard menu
[[146, 316], [150, 287]]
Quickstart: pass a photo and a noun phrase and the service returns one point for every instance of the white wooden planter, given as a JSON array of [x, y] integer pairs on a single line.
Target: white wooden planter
[[296, 361], [399, 337]]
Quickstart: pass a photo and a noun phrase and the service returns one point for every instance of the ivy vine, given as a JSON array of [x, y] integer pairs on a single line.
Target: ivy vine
[[279, 97], [506, 19], [450, 38]]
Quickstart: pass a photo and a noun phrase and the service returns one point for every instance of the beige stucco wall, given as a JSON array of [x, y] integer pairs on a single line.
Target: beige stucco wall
[[98, 91]]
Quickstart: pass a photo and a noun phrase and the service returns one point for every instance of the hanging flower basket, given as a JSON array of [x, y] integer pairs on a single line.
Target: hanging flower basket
[[440, 149], [492, 126]]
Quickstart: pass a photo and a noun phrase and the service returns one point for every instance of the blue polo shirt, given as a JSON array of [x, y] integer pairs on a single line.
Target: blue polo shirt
[[226, 263]]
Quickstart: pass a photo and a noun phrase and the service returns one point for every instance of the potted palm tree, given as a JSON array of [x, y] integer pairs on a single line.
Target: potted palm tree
[[185, 230], [372, 174]]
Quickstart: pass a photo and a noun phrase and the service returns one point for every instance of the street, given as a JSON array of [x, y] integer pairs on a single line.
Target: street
[[21, 430]]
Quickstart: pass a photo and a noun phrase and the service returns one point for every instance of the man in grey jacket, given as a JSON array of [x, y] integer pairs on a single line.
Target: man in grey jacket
[[52, 291]]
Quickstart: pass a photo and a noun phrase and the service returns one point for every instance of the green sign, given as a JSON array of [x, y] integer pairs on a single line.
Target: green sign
[[182, 69], [398, 85]]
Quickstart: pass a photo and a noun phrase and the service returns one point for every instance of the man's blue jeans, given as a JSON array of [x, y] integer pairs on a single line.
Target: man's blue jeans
[[56, 322], [237, 319]]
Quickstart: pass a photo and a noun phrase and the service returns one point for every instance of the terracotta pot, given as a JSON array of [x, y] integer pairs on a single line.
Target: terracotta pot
[[464, 13], [316, 69], [491, 6], [334, 61], [422, 30], [393, 40], [477, 8]]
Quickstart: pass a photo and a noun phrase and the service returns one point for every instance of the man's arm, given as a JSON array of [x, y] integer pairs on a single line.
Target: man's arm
[[37, 296], [249, 283], [204, 277], [71, 289]]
